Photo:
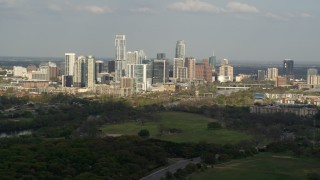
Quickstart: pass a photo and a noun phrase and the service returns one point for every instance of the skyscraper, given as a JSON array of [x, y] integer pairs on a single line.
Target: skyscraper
[[213, 60], [69, 63], [261, 75], [161, 55], [91, 72], [120, 59], [78, 80], [142, 57], [132, 57], [225, 71], [190, 63], [272, 74], [180, 49], [177, 63], [312, 76], [288, 68], [141, 75], [160, 71], [99, 68]]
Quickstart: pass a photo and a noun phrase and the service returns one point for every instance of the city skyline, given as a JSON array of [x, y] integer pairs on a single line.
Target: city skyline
[[243, 30]]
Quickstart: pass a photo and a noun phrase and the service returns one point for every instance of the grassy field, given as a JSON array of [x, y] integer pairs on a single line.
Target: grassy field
[[263, 166], [193, 128]]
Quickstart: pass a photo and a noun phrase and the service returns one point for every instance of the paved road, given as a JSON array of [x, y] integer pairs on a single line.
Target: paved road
[[172, 168]]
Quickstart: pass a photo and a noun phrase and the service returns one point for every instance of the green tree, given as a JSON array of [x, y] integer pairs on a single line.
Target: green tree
[[214, 125], [144, 133]]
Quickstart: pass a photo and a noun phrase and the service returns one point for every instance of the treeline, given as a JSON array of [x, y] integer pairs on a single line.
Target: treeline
[[81, 158], [262, 126], [126, 157], [66, 115]]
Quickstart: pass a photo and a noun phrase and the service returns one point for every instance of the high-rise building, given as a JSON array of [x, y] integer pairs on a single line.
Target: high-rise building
[[225, 71], [190, 63], [213, 61], [91, 72], [142, 57], [99, 66], [203, 71], [312, 76], [50, 68], [160, 71], [132, 57], [272, 74], [19, 71], [70, 58], [288, 68], [280, 81], [261, 75], [141, 73], [180, 49], [111, 66], [79, 71], [161, 55], [120, 59], [67, 81], [207, 70], [177, 63], [182, 74]]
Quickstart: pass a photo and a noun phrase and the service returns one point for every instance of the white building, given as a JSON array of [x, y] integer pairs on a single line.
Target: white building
[[70, 58], [141, 73], [19, 71], [78, 80], [120, 59], [91, 72], [272, 74], [225, 71], [180, 49], [177, 63], [312, 76], [132, 57]]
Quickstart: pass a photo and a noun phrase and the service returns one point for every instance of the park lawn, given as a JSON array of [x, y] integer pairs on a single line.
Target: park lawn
[[262, 166], [193, 127]]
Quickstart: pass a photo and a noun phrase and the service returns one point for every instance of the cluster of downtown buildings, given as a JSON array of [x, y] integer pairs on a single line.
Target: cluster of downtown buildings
[[131, 72]]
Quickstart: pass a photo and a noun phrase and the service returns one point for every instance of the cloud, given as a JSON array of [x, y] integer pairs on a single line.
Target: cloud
[[94, 9], [241, 7], [142, 10], [194, 6], [306, 15], [276, 16], [299, 15], [288, 16]]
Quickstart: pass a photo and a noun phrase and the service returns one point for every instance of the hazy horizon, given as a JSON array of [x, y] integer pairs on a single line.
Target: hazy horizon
[[242, 30]]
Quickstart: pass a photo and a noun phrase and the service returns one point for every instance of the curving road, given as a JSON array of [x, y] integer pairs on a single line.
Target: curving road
[[172, 168]]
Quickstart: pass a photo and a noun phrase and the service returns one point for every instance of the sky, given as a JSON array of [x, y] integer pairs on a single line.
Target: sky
[[240, 30]]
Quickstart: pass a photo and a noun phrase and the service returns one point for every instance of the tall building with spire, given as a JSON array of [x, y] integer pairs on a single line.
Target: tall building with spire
[[213, 60], [120, 59], [180, 49]]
